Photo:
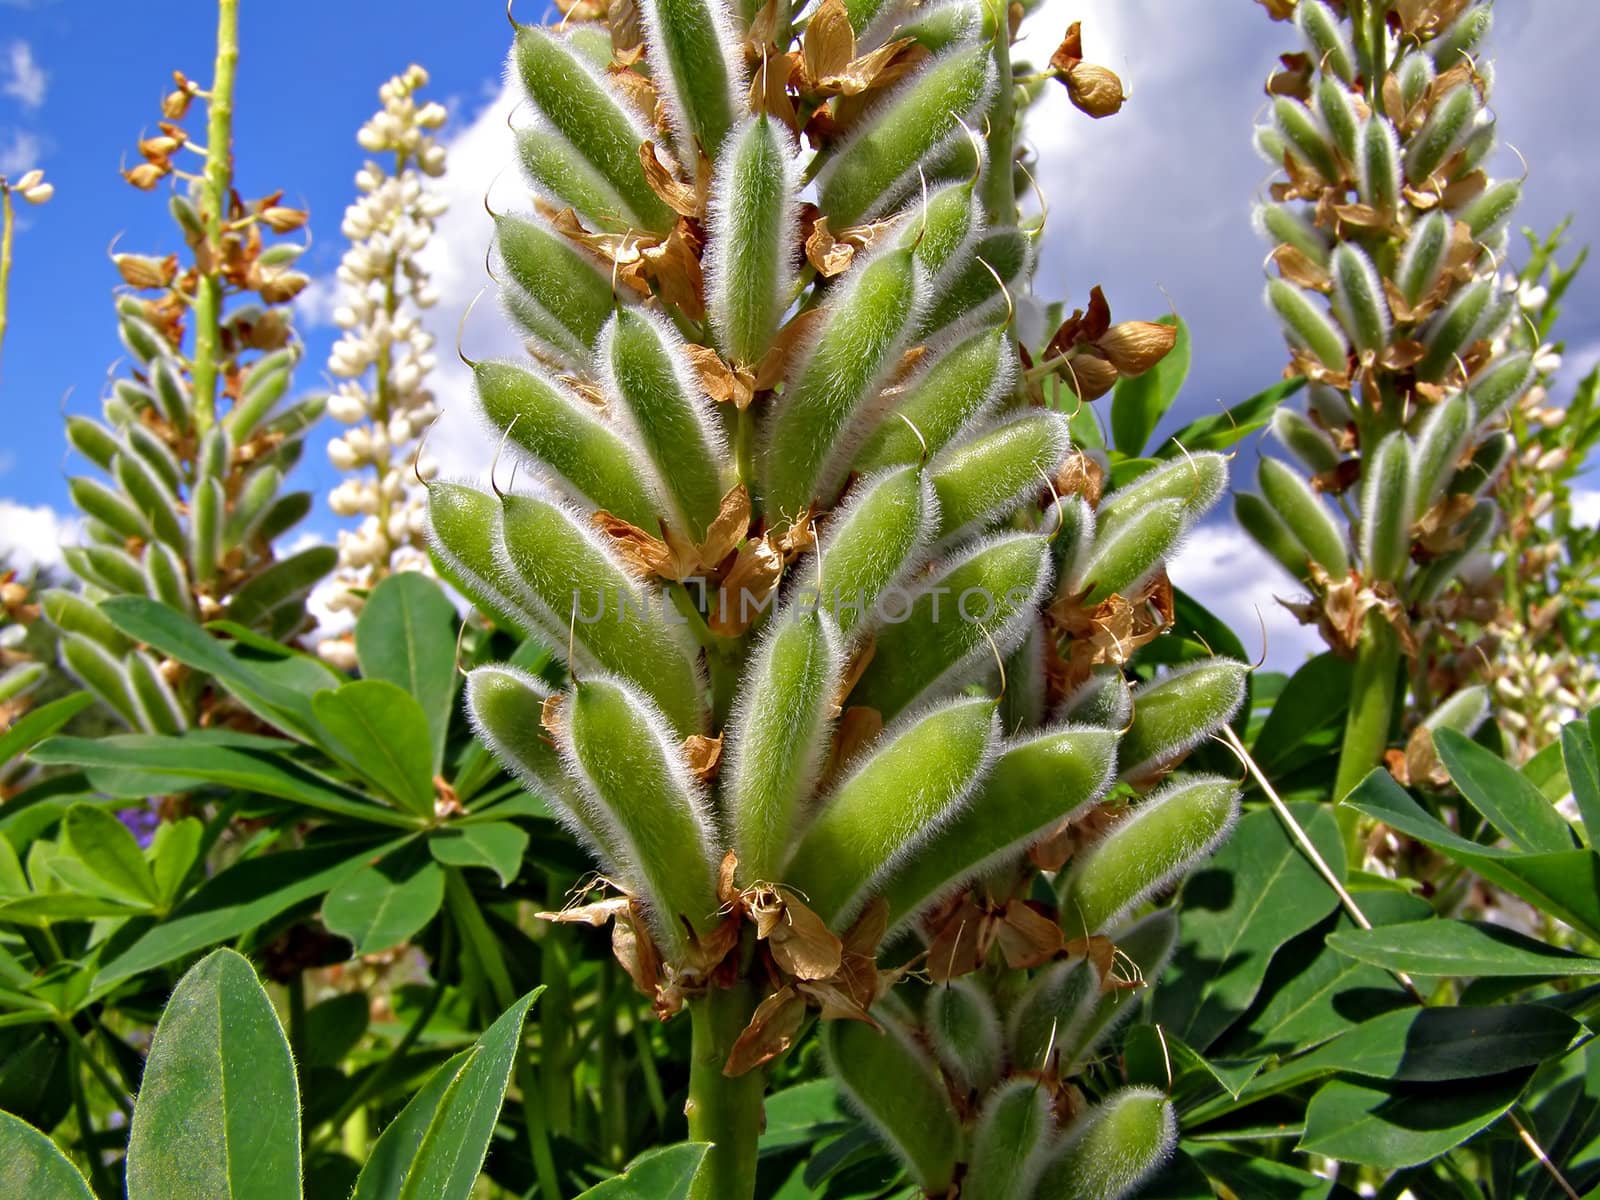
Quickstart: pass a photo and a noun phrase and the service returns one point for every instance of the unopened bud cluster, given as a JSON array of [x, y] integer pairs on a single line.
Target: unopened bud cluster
[[31, 186]]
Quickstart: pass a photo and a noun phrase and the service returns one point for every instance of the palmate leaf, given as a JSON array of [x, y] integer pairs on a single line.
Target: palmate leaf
[[385, 904], [1500, 792], [406, 636]]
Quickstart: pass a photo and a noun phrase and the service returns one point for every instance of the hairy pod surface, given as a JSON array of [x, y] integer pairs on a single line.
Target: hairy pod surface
[[1338, 113], [1463, 37], [1287, 227], [1307, 325], [1197, 480], [1414, 74], [750, 264], [1134, 549], [1120, 1144], [1501, 386], [1463, 712], [692, 44], [1173, 715], [1103, 700], [102, 673], [915, 778], [937, 230], [1487, 461], [1302, 511], [1305, 137], [157, 704], [566, 179], [1474, 532], [1326, 40], [1057, 1000], [1423, 259], [1010, 1143], [1437, 453], [1442, 133], [1148, 944], [1489, 211], [934, 638], [988, 477], [1257, 518], [871, 542], [571, 299], [959, 386], [964, 1030], [778, 737], [1165, 837], [1386, 509], [463, 530], [1358, 300], [967, 293], [1379, 166], [1304, 439]]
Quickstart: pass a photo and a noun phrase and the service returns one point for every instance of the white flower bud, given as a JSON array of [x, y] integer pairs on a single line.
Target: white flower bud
[[341, 454]]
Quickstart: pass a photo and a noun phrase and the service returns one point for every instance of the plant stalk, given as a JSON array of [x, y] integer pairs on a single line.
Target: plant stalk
[[725, 1112], [216, 186], [7, 222], [999, 187], [1372, 699]]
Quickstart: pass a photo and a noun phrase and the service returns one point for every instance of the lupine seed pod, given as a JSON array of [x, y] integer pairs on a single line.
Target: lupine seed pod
[[156, 505], [563, 177], [1415, 73], [1481, 142], [964, 1030], [166, 579], [1070, 550], [860, 340], [1488, 460], [563, 573], [141, 339], [205, 529], [989, 476], [1305, 137], [1463, 37], [693, 50], [620, 751], [1441, 135], [1057, 1000], [1026, 696], [1128, 555], [1197, 480], [1437, 452], [1165, 836], [463, 529], [1118, 1145], [942, 633], [1306, 441], [1463, 712], [1474, 533], [1148, 944], [778, 737], [878, 164], [255, 501], [1269, 144], [1035, 783], [1424, 256], [1337, 110], [71, 613], [157, 457], [564, 294], [899, 1091], [1326, 40], [1103, 700], [872, 542], [1501, 386], [1289, 228], [939, 26], [960, 385], [1358, 300], [1173, 715], [967, 293], [872, 820], [1305, 516], [1010, 1143], [1386, 508], [939, 229], [751, 234], [1331, 406], [1257, 518], [1379, 165], [159, 710], [104, 675], [642, 361], [1454, 328], [267, 383], [1493, 208], [92, 440], [1307, 324], [108, 507], [592, 118], [587, 456]]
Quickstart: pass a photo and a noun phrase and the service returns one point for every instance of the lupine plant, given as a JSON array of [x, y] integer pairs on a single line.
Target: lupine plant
[[33, 189]]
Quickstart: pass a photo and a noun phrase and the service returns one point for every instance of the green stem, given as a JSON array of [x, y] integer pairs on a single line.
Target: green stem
[[725, 1112], [101, 1075], [1372, 700], [98, 1175], [215, 189], [7, 220], [999, 185]]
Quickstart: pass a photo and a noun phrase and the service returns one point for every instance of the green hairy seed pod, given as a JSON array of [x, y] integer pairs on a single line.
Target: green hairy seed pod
[[878, 165], [96, 500], [936, 27], [71, 613], [1103, 700], [570, 298], [1034, 783], [1270, 145], [588, 458], [1113, 1149], [1463, 712], [937, 230], [1010, 1143], [1454, 328], [593, 120], [1305, 440], [115, 570], [156, 505], [141, 339], [1462, 38], [1197, 480], [593, 42], [988, 477], [871, 542], [564, 574], [1304, 514], [1488, 460], [166, 579], [1027, 681], [778, 738], [1148, 944], [1326, 40], [101, 673], [964, 1031], [960, 385], [642, 360], [1379, 165], [1475, 531], [216, 452], [1289, 228], [206, 522], [568, 180], [92, 440], [1305, 138], [1438, 451], [912, 780], [966, 292], [170, 393], [158, 707], [1386, 508], [1501, 386], [1256, 517], [1441, 135], [1070, 551], [1480, 143], [267, 384], [692, 48], [894, 1085], [1331, 406], [1338, 113], [1424, 256], [859, 342], [1046, 1016], [625, 760], [750, 263], [1358, 300], [1414, 73], [505, 705], [1167, 834], [1307, 325], [254, 503], [1173, 715], [1129, 554], [463, 527], [1493, 208], [938, 636], [156, 457]]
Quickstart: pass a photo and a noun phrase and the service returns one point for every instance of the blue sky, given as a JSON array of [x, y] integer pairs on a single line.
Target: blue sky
[[1151, 203]]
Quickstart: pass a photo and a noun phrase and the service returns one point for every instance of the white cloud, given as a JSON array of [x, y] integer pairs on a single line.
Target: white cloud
[[32, 538], [20, 154], [1225, 570], [314, 305], [1585, 507], [24, 79]]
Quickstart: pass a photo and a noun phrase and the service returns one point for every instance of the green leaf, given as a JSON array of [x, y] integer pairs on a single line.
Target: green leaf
[[1404, 1124], [1224, 429], [1257, 1178], [333, 1028], [435, 1148], [1460, 948], [173, 851], [1256, 893], [1159, 1059], [39, 723], [1498, 790], [800, 1115], [498, 845], [406, 636], [1312, 701], [107, 848], [660, 1174], [1139, 403], [46, 907], [1583, 773], [382, 733], [218, 1112], [32, 1166], [385, 904], [274, 600]]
